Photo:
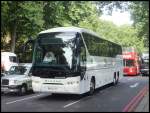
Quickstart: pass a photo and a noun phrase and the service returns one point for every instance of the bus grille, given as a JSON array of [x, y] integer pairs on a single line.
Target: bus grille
[[5, 81]]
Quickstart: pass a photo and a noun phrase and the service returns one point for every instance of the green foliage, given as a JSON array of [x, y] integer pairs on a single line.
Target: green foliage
[[140, 14], [109, 6], [66, 13], [29, 18], [124, 35], [25, 16]]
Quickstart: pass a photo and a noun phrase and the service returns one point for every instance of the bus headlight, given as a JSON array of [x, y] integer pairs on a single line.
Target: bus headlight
[[73, 82], [36, 81]]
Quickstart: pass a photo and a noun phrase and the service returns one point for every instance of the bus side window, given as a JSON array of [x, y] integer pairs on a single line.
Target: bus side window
[[13, 59]]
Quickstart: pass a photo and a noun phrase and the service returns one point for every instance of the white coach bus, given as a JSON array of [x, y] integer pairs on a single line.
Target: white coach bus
[[72, 60]]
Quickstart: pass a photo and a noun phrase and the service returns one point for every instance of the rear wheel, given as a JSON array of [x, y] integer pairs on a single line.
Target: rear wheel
[[117, 80], [114, 81]]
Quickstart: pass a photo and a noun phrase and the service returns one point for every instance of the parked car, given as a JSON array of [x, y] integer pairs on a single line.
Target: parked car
[[3, 74], [145, 63], [145, 67], [17, 79], [8, 59]]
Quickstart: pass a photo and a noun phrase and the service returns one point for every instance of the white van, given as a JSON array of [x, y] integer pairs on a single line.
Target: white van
[[8, 59]]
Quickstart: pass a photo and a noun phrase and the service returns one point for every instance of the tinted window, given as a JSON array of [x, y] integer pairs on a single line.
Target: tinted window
[[100, 47], [129, 63], [56, 50], [13, 59]]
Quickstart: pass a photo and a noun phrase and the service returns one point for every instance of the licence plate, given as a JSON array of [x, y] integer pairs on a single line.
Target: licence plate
[[51, 88]]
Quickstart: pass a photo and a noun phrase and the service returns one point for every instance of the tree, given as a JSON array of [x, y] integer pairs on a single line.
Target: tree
[[19, 18], [140, 14], [108, 6], [124, 35], [65, 13], [26, 19]]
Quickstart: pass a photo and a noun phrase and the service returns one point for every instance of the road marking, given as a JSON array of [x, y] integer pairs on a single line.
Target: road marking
[[134, 102], [71, 103], [134, 85], [24, 99], [75, 102], [130, 78]]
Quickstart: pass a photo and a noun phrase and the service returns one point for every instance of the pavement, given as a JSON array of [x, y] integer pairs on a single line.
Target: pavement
[[143, 106]]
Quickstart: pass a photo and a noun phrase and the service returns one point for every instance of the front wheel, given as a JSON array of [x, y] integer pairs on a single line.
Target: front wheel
[[22, 90], [92, 87], [114, 81]]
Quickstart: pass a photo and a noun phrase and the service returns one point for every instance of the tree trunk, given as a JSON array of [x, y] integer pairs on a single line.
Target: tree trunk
[[13, 39]]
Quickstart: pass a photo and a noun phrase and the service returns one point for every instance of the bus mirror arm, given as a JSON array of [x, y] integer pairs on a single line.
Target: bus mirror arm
[[30, 40], [81, 70], [30, 74]]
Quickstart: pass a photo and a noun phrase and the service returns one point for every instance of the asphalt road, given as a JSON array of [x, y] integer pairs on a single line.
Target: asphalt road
[[108, 98]]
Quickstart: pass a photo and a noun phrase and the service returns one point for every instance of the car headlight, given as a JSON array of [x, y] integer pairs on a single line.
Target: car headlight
[[16, 82]]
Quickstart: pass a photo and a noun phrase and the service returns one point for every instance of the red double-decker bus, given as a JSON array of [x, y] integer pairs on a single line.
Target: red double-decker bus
[[131, 62]]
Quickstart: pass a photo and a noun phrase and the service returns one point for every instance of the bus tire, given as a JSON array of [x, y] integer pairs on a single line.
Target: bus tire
[[92, 87], [114, 80], [117, 80]]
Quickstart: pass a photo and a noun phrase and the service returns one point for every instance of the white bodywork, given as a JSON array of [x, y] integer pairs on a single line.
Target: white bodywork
[[5, 60], [73, 85], [102, 68]]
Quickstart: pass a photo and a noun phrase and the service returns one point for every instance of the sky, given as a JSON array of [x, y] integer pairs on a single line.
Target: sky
[[118, 18]]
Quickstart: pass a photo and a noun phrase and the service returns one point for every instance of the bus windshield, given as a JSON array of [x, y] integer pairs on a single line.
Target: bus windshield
[[55, 50], [128, 63]]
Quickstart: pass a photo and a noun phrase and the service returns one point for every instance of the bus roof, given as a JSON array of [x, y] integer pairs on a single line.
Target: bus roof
[[25, 64], [8, 54], [73, 29], [69, 29]]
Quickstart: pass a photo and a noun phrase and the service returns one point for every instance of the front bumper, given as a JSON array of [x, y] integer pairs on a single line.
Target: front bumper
[[12, 88], [60, 89]]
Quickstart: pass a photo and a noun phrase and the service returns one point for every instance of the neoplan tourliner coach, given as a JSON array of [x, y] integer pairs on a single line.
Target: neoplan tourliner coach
[[72, 60]]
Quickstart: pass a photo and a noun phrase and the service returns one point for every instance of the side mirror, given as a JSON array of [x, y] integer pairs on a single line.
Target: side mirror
[[29, 41], [30, 74], [3, 74]]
